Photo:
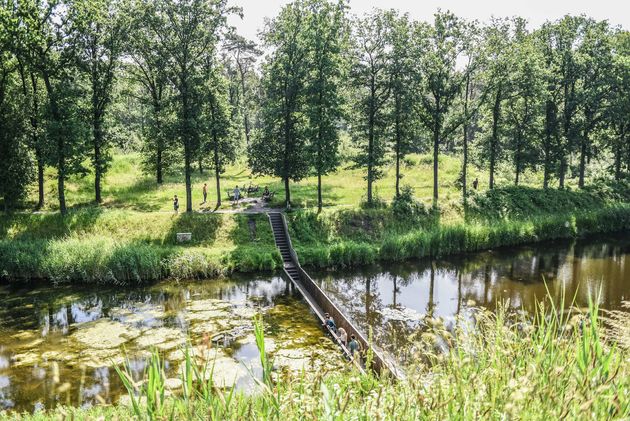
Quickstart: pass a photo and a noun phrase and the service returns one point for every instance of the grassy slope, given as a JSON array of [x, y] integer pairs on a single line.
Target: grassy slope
[[131, 238]]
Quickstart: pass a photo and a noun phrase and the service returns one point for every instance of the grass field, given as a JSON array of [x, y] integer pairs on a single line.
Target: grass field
[[125, 185]]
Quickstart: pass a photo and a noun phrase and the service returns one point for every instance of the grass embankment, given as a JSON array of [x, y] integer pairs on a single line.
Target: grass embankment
[[558, 366], [501, 217], [117, 246], [131, 237]]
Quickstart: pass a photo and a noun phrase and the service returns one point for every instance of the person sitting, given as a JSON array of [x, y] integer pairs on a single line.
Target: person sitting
[[266, 193], [330, 323]]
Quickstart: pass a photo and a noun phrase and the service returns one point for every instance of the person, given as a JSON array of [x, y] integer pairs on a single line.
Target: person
[[237, 195], [343, 336], [353, 346], [176, 204], [330, 323], [266, 193], [205, 192], [475, 183]]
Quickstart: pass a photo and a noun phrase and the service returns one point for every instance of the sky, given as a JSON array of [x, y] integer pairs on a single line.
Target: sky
[[617, 12]]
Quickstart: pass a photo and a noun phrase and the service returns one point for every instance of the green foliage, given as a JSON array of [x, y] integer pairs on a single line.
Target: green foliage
[[279, 148], [405, 205]]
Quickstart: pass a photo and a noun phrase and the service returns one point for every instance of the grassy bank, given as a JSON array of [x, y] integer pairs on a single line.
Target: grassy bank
[[498, 218], [131, 237], [117, 246], [556, 366], [123, 246]]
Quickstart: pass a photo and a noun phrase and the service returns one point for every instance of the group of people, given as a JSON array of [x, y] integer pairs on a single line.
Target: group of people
[[236, 194], [353, 346]]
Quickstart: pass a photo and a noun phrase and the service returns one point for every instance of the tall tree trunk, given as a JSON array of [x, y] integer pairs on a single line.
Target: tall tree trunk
[[563, 171], [60, 144], [437, 126], [200, 164], [618, 161], [550, 124], [98, 159], [517, 158], [217, 176], [157, 109], [40, 177], [34, 120], [158, 164], [370, 162], [188, 171], [287, 193], [244, 102], [465, 141], [398, 149], [496, 115], [319, 192], [583, 159]]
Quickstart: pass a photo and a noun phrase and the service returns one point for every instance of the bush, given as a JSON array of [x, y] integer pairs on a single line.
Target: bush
[[406, 206]]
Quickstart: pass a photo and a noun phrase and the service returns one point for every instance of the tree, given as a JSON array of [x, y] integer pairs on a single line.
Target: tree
[[279, 148], [244, 53], [326, 39], [15, 165], [148, 68], [218, 131], [442, 45], [619, 110], [45, 34], [99, 33], [594, 56], [404, 88], [188, 32], [561, 39], [371, 90], [525, 102], [497, 44]]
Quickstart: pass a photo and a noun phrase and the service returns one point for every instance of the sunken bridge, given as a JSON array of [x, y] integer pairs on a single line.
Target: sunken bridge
[[321, 304]]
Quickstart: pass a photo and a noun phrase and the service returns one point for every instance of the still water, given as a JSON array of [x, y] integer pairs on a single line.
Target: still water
[[398, 299], [59, 345]]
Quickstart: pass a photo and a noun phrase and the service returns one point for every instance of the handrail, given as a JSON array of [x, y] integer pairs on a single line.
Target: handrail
[[321, 303]]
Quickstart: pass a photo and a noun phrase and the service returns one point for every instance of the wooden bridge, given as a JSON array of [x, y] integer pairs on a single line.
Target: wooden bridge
[[320, 303]]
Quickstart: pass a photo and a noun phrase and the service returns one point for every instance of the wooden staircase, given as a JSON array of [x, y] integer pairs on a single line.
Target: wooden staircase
[[317, 299]]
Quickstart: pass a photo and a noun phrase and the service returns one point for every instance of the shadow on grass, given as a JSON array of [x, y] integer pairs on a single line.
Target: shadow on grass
[[49, 225]]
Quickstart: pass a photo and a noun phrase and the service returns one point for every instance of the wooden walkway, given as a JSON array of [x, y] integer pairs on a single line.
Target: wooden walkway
[[319, 302]]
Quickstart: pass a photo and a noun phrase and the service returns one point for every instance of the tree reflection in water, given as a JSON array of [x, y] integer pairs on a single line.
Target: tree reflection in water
[[400, 301]]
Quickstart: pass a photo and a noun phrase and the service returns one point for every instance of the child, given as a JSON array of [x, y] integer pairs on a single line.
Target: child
[[176, 204]]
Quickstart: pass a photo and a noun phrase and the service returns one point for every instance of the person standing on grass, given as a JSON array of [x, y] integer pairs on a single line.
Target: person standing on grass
[[176, 204], [205, 193], [343, 336], [237, 195], [475, 183]]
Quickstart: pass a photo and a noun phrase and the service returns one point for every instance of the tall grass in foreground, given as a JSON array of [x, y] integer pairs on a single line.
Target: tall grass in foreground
[[555, 365]]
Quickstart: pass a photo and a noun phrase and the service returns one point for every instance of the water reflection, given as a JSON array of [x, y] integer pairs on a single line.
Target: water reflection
[[396, 299], [57, 345]]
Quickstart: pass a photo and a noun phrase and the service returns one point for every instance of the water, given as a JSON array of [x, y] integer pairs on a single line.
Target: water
[[396, 299], [59, 345]]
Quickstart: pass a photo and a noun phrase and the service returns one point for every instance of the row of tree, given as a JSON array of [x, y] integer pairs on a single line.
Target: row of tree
[[550, 99], [534, 99]]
